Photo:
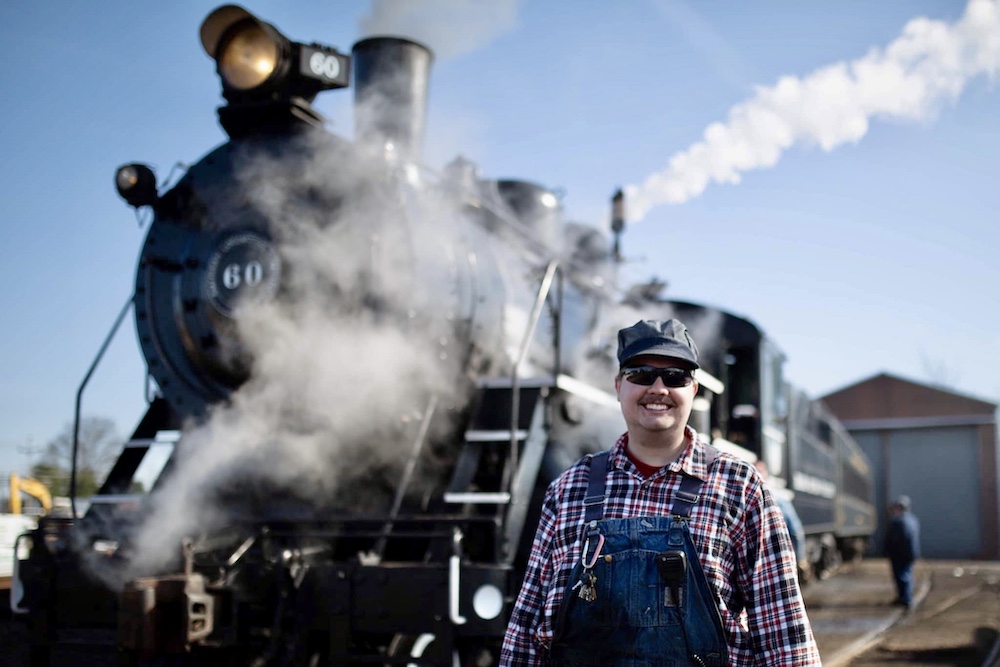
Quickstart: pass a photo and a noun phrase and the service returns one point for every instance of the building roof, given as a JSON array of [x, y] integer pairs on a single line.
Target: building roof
[[886, 397]]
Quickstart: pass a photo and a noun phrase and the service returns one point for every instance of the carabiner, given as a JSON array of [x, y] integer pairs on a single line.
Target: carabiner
[[597, 552]]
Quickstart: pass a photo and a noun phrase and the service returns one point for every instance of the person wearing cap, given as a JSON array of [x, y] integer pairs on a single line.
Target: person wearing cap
[[662, 550], [902, 548]]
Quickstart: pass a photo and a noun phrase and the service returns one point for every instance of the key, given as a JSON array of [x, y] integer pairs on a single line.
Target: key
[[588, 587]]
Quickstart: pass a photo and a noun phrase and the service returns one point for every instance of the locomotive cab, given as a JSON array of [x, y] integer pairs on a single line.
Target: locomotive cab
[[760, 416]]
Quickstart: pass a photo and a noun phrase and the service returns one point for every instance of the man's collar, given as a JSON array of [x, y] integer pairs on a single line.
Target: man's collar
[[691, 461]]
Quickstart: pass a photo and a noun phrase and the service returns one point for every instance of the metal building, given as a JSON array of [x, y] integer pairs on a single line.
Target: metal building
[[936, 446]]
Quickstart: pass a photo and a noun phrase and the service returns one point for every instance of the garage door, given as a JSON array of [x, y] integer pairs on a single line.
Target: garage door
[[939, 469]]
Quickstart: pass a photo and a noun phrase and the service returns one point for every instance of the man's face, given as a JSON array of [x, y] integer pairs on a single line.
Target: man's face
[[655, 408]]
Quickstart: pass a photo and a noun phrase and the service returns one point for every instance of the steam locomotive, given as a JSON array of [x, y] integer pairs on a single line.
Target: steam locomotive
[[366, 373]]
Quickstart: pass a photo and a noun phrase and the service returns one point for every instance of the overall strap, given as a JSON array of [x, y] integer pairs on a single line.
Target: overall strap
[[593, 502], [687, 496]]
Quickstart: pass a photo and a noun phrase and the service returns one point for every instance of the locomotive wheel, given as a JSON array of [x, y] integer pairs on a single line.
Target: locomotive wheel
[[806, 573], [415, 646], [854, 550]]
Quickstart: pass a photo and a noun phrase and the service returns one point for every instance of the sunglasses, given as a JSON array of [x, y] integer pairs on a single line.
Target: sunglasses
[[646, 376]]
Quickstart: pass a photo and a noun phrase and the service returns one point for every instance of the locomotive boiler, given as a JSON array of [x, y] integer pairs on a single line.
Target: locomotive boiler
[[365, 373]]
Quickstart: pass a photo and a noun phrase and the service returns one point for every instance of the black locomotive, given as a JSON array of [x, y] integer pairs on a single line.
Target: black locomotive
[[368, 374]]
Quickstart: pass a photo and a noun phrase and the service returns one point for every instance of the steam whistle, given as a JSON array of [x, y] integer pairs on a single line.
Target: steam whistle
[[618, 222]]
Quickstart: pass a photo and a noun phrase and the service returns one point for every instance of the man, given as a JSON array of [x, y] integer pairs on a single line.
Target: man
[[662, 551], [902, 548]]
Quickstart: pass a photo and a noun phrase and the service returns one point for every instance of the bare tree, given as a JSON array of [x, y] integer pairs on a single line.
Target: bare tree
[[940, 373], [98, 444]]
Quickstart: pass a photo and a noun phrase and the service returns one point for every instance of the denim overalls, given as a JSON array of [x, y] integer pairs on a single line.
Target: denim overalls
[[638, 597]]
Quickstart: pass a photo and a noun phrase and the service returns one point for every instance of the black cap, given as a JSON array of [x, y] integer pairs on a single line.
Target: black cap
[[662, 339]]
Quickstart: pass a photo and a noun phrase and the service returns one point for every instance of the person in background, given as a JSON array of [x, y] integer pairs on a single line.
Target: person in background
[[902, 548], [663, 549], [792, 521]]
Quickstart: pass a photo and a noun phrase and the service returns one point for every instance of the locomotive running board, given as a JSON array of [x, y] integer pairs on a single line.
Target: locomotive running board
[[477, 498], [493, 435]]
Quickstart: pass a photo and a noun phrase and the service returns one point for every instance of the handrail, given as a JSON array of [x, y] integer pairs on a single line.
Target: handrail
[[418, 445], [515, 387], [79, 398]]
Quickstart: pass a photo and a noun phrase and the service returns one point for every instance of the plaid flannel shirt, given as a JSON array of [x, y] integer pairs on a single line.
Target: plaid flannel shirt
[[740, 536]]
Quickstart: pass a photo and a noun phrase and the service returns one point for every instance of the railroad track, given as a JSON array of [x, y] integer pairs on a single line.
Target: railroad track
[[955, 619]]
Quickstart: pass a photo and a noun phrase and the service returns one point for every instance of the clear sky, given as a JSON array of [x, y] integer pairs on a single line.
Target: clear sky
[[827, 169]]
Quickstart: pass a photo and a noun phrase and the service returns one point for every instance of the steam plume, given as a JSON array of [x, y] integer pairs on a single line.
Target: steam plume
[[449, 27], [927, 65], [338, 387]]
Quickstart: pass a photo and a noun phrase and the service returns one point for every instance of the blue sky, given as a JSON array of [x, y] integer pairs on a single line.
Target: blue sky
[[874, 252]]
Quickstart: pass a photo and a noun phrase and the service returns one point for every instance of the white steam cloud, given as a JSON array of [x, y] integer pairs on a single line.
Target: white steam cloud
[[926, 66], [338, 388], [449, 27]]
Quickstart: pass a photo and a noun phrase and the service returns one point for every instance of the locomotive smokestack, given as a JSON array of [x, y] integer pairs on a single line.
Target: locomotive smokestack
[[391, 77]]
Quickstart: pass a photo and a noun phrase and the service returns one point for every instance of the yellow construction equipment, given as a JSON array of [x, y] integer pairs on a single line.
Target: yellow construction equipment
[[33, 488]]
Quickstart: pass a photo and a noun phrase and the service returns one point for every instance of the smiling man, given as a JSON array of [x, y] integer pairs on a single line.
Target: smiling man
[[662, 550]]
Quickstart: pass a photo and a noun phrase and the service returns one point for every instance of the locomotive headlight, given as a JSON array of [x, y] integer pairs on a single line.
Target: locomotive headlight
[[248, 52], [252, 56], [268, 80], [248, 56], [136, 184]]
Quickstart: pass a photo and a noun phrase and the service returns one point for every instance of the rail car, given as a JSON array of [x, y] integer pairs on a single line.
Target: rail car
[[809, 454], [365, 374]]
